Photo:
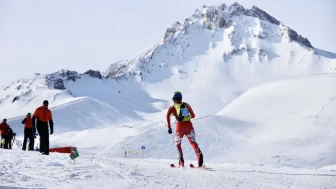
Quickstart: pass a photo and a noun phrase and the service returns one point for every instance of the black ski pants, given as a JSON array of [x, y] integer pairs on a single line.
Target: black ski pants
[[7, 142], [43, 131], [28, 134]]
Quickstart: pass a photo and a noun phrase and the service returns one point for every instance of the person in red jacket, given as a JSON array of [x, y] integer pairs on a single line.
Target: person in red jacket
[[4, 132], [42, 116], [28, 132], [183, 113]]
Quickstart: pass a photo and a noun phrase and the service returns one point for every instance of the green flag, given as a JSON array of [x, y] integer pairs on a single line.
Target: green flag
[[74, 154]]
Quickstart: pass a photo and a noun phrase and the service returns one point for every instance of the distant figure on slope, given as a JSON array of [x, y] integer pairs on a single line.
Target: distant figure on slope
[[183, 113], [28, 132], [41, 117], [4, 132]]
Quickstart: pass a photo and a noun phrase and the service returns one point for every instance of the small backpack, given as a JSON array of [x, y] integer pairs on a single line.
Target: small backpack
[[184, 114]]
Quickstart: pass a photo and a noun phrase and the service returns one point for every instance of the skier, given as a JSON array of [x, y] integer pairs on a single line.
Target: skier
[[4, 132], [28, 132], [41, 117], [183, 113]]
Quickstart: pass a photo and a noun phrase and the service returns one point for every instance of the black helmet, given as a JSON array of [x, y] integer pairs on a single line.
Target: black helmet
[[45, 102], [177, 96]]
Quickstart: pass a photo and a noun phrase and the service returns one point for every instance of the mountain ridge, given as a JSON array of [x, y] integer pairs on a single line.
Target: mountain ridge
[[219, 48]]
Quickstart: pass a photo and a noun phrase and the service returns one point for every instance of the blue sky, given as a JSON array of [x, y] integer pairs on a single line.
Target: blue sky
[[45, 36]]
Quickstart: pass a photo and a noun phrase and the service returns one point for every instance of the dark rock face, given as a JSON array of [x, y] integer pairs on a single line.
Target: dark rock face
[[58, 84], [94, 73], [56, 80], [171, 31], [237, 9], [212, 16], [295, 37], [117, 72], [15, 99], [69, 75], [262, 15]]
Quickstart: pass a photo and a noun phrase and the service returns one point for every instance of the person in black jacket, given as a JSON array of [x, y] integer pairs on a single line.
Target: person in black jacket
[[10, 134]]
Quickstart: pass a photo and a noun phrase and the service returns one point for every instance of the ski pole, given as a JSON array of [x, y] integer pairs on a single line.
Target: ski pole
[[177, 153]]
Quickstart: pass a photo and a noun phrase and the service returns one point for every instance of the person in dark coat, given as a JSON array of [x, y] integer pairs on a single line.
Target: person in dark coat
[[9, 138]]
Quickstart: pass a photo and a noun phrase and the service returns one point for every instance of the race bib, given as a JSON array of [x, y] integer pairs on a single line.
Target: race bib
[[185, 112]]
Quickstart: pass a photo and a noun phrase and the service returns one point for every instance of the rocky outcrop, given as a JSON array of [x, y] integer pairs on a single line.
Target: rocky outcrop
[[93, 73], [58, 84]]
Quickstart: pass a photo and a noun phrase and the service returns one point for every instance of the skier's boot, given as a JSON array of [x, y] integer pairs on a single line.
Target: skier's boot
[[200, 159], [181, 162]]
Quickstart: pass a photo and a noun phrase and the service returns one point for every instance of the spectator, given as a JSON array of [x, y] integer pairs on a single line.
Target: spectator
[[28, 132], [42, 116]]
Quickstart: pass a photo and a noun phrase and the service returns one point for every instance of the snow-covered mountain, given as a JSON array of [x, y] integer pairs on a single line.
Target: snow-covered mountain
[[79, 101], [215, 56], [220, 52], [225, 50]]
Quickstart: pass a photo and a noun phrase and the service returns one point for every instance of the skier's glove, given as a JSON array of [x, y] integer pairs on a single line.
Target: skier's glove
[[170, 131]]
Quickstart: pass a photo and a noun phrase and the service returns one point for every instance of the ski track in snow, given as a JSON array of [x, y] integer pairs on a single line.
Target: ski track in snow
[[21, 169]]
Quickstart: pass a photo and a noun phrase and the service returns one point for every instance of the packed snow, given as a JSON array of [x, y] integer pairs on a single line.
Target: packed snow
[[31, 170], [292, 147]]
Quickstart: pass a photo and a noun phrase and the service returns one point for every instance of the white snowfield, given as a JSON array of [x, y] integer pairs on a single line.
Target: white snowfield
[[264, 99], [295, 149], [295, 118], [32, 170]]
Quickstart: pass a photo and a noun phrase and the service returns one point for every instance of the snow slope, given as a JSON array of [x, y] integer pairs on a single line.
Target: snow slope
[[31, 170], [283, 123], [295, 118], [77, 101], [80, 115]]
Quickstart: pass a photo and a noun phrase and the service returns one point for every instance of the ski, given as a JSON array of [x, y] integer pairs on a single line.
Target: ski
[[191, 166], [204, 168], [173, 166]]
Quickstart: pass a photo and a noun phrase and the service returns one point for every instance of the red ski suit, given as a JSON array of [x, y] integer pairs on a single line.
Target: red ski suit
[[183, 128]]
